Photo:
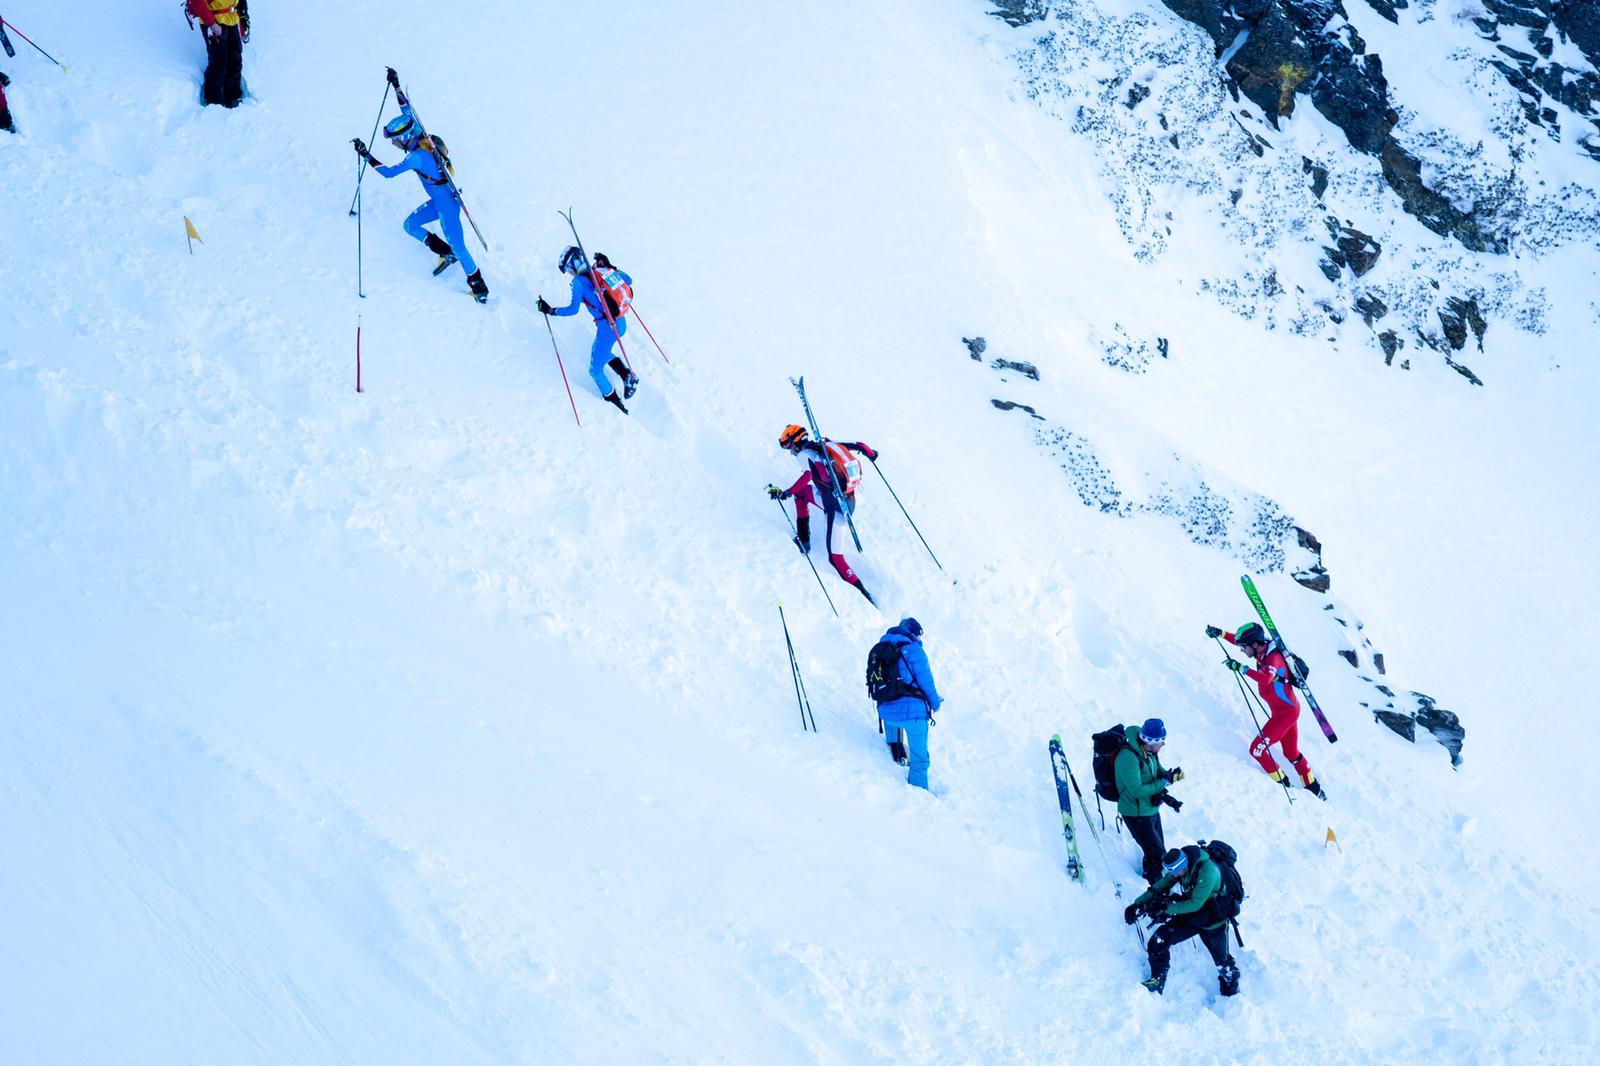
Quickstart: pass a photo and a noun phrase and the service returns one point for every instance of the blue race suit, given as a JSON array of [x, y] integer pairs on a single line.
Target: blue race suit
[[442, 206], [585, 296]]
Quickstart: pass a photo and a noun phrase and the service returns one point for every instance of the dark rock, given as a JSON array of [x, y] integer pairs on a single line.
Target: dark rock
[[1020, 12], [1316, 579], [1370, 307], [1308, 540], [1359, 250], [976, 346], [1403, 724], [1462, 370], [1025, 369], [1386, 8], [1319, 176], [1518, 13], [1161, 346], [1390, 341], [1137, 94], [1377, 660], [1403, 172], [1350, 657], [1444, 725], [1580, 21], [1007, 405], [1354, 95], [1273, 63], [1330, 263], [1207, 14], [1457, 316], [1383, 689]]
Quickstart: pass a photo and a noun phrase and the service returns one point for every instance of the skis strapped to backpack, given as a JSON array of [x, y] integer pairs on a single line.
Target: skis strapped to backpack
[[594, 278], [838, 492], [443, 160], [1297, 665]]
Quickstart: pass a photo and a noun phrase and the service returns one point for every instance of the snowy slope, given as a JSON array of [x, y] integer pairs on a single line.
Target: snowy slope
[[423, 725]]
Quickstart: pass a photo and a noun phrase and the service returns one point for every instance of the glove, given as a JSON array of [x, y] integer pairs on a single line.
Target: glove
[[1213, 632], [872, 455], [776, 493], [1174, 775], [1130, 913], [1235, 665], [544, 308], [214, 30], [1155, 908], [394, 79], [360, 146], [1176, 805]]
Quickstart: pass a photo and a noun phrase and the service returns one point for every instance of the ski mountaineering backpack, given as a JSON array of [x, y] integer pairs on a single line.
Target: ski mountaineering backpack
[[618, 294], [846, 467], [884, 683], [1106, 746], [1224, 903]]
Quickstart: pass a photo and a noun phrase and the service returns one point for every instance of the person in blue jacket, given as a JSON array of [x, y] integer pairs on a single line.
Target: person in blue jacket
[[443, 206], [608, 329], [912, 713]]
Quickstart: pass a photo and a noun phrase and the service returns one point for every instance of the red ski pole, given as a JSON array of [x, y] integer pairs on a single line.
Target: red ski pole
[[563, 367], [647, 333], [358, 353], [36, 48]]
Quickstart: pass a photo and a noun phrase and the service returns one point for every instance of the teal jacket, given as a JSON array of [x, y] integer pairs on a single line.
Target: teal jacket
[[1198, 884], [1139, 778]]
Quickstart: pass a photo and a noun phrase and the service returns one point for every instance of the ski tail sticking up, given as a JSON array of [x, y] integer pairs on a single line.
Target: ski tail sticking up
[[1295, 664], [816, 434], [1058, 762]]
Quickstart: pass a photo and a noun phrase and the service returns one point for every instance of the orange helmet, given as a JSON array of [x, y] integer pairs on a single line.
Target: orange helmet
[[791, 436]]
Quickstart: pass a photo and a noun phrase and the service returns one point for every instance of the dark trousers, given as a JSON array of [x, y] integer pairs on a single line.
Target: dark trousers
[[1146, 832], [224, 68], [1180, 929], [5, 113]]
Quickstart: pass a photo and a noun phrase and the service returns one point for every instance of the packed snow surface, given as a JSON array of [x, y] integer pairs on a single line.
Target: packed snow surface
[[423, 725]]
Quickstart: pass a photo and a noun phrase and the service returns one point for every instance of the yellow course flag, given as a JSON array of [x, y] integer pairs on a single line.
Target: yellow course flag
[[189, 228], [1332, 840]]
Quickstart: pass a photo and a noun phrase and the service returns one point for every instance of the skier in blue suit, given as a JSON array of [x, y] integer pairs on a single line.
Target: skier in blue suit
[[443, 206], [587, 297], [912, 713]]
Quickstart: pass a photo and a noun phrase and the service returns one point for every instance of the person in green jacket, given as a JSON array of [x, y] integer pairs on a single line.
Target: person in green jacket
[[1142, 789], [1182, 902]]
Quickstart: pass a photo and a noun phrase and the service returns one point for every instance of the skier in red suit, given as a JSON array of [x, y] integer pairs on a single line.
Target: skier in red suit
[[1275, 683], [827, 465]]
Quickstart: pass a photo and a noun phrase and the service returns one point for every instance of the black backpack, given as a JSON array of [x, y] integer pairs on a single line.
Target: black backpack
[[884, 683], [1224, 903], [1106, 746]]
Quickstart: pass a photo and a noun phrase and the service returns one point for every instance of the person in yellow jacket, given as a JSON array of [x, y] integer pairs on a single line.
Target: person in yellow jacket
[[226, 25]]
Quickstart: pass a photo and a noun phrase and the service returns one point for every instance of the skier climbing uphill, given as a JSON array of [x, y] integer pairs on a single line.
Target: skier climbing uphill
[[589, 286], [900, 681], [1191, 899], [830, 477], [1273, 681], [426, 156]]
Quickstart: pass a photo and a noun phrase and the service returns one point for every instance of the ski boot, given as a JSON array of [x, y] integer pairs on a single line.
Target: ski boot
[[1280, 778], [897, 751], [616, 401], [480, 291], [803, 545], [1314, 787], [440, 248], [1228, 978], [630, 385], [1158, 985]]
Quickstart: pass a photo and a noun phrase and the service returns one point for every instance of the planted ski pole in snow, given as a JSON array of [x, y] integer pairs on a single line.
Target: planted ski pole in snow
[[11, 25], [799, 683], [1250, 708], [903, 511], [1296, 665], [647, 333], [361, 170], [796, 532], [594, 279], [358, 353], [563, 369]]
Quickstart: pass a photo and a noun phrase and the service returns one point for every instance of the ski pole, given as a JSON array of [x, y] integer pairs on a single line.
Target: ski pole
[[563, 367], [360, 287], [25, 37], [1100, 847], [362, 163], [903, 511], [813, 566], [652, 336], [800, 697], [1288, 793]]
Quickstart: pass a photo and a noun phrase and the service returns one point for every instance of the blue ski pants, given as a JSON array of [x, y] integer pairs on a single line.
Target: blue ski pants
[[447, 212], [601, 353], [916, 731]]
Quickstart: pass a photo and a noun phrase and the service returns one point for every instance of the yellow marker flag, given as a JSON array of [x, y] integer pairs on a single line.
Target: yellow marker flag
[[1332, 840], [191, 233]]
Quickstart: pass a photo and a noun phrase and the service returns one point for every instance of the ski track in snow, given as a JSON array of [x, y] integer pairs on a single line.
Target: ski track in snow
[[424, 725]]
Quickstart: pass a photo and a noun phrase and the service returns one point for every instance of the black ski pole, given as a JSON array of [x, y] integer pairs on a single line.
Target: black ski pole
[[903, 511], [820, 584], [362, 163], [1287, 792], [800, 696], [36, 48]]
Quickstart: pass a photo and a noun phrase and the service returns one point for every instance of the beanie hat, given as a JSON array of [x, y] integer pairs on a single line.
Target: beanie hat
[[912, 627], [1154, 731], [1174, 862]]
